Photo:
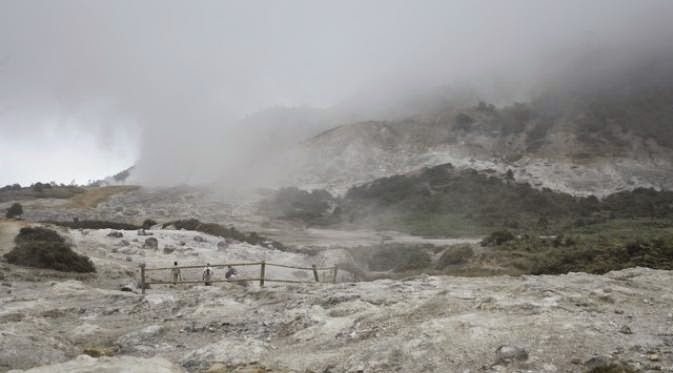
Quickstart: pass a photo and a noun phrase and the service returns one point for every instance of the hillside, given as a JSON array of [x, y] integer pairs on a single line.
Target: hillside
[[581, 143]]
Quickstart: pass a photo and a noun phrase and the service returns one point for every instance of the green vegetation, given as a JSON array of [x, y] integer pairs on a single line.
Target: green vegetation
[[148, 223], [612, 246], [14, 211], [225, 232], [612, 368], [443, 201], [296, 204], [94, 224], [497, 238], [38, 190], [455, 255], [400, 258], [44, 248]]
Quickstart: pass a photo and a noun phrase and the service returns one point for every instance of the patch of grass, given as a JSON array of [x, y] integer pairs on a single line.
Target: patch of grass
[[92, 196], [592, 253], [38, 190], [94, 224], [226, 232], [44, 248]]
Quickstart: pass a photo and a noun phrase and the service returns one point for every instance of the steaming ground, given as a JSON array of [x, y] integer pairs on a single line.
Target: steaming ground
[[565, 323]]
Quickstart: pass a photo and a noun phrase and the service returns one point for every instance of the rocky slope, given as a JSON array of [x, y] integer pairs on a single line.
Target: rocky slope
[[594, 142]]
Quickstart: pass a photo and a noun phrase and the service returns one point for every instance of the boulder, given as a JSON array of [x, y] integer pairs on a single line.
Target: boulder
[[151, 243], [168, 249], [115, 234], [508, 354], [199, 239]]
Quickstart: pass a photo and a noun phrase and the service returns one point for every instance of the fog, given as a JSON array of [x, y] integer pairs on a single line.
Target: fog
[[89, 88]]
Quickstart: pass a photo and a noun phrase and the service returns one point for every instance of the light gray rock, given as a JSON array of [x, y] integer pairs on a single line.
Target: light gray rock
[[229, 351], [146, 339], [127, 364], [507, 354]]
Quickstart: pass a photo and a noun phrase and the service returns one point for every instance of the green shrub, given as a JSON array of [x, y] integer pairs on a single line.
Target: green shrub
[[14, 211], [297, 204], [455, 255], [94, 224], [37, 234], [400, 258], [148, 223], [44, 248], [498, 238]]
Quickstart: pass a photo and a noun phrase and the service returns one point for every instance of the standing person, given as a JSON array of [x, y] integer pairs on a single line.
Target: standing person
[[231, 273], [207, 275], [176, 274]]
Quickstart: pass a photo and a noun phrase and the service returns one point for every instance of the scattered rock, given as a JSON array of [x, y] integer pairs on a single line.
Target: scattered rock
[[124, 243], [130, 364], [625, 330], [229, 351], [508, 354], [199, 239], [115, 234], [169, 249], [222, 245], [129, 259]]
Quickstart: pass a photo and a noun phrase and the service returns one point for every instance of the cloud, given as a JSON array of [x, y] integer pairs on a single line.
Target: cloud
[[178, 76]]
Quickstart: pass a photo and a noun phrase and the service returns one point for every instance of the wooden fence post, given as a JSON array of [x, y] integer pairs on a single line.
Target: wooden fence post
[[315, 273], [334, 278], [142, 278], [261, 273]]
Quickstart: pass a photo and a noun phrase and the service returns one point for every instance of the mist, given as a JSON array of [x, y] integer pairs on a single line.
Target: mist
[[184, 90]]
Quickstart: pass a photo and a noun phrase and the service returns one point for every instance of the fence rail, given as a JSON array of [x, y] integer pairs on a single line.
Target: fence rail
[[144, 282]]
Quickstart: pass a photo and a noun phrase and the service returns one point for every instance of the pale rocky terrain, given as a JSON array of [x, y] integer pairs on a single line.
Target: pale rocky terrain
[[567, 323], [362, 152]]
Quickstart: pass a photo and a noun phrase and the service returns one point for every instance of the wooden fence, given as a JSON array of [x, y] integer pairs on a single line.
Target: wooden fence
[[145, 281]]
